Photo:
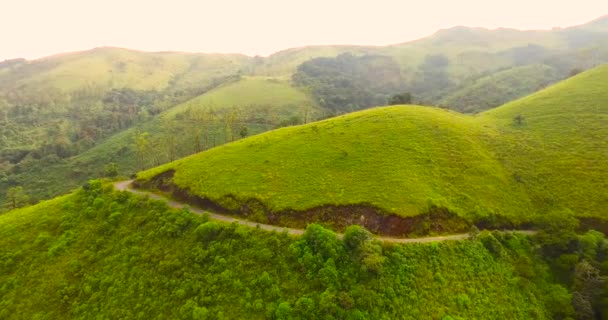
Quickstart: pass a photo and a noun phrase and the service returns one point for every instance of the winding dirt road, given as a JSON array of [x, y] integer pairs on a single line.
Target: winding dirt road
[[126, 186]]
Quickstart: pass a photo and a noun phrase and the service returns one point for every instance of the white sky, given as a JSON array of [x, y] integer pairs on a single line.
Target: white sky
[[36, 28]]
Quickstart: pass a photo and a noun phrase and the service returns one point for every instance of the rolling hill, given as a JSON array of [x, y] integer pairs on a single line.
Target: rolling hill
[[108, 67], [542, 153]]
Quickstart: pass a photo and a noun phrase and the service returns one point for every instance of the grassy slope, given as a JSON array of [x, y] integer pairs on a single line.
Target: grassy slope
[[500, 87], [249, 92], [403, 158], [119, 68], [101, 254], [388, 157], [560, 152], [278, 95]]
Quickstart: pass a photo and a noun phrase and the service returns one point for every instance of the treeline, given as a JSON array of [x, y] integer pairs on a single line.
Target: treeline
[[101, 253]]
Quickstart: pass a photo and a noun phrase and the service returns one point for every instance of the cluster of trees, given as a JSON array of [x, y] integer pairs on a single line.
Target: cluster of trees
[[115, 255], [578, 261], [348, 83]]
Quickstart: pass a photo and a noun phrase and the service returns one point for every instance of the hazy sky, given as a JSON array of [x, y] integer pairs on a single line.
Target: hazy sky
[[36, 28]]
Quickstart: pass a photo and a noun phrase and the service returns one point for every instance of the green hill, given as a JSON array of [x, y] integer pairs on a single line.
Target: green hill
[[57, 108], [275, 96], [559, 151], [541, 153], [107, 67], [500, 87], [97, 253]]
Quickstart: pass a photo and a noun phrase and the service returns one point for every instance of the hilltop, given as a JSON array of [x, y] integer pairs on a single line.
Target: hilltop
[[406, 164]]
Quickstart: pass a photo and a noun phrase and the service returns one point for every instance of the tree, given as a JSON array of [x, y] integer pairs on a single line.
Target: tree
[[401, 98], [231, 119], [284, 311], [142, 148], [110, 170], [244, 132], [17, 198], [588, 288], [171, 132], [557, 231], [355, 236]]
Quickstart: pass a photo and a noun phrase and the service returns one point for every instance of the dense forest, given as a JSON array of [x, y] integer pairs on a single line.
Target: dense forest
[[348, 83], [99, 253]]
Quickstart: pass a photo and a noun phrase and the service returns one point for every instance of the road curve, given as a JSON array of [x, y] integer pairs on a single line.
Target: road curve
[[126, 186]]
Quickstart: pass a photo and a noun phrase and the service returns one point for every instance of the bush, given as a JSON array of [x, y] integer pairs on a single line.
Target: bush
[[355, 236], [208, 231]]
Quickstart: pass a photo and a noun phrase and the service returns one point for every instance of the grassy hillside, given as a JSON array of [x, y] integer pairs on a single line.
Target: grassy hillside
[[544, 152], [278, 97], [304, 167], [559, 151], [103, 254], [57, 108], [108, 67], [499, 88]]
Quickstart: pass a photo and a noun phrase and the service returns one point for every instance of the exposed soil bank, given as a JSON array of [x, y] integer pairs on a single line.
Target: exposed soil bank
[[378, 221]]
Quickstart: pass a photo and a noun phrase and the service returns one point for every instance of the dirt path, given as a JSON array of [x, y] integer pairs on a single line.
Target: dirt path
[[126, 186]]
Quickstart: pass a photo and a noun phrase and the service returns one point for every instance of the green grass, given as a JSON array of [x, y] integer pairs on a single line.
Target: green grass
[[278, 96], [102, 254], [403, 159], [560, 152]]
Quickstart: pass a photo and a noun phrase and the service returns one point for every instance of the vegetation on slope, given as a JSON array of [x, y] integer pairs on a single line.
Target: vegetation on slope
[[260, 97], [348, 83], [499, 88], [228, 113], [58, 107], [107, 68], [555, 143], [390, 158], [98, 253], [542, 153]]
